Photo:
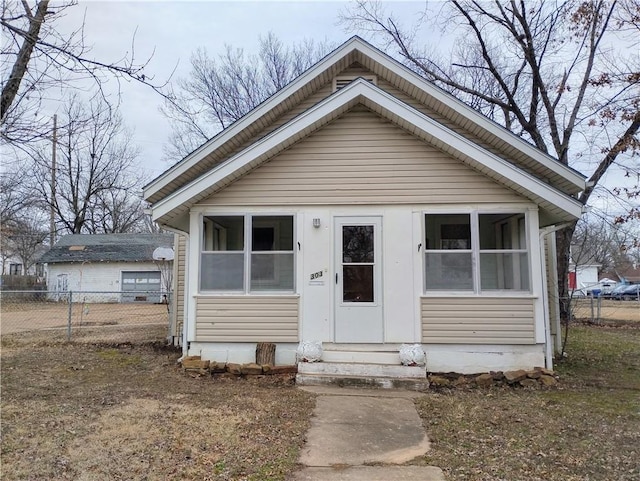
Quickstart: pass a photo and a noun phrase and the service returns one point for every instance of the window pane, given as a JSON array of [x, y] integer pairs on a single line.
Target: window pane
[[223, 233], [497, 231], [272, 233], [222, 271], [357, 243], [448, 271], [447, 231], [357, 283], [272, 272], [504, 271]]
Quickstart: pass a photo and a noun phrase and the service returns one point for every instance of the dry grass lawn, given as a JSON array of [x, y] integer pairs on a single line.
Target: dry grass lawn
[[92, 410], [587, 429], [103, 409]]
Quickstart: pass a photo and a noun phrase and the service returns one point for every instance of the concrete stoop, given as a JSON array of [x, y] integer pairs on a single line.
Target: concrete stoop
[[365, 375]]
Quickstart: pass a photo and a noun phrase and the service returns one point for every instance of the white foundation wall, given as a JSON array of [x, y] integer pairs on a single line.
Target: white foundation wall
[[241, 352], [472, 359]]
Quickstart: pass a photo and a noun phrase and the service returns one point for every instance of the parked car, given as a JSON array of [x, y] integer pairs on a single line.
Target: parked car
[[616, 291], [630, 293]]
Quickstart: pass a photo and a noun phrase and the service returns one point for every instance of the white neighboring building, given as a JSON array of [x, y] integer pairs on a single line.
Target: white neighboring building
[[109, 267], [583, 279]]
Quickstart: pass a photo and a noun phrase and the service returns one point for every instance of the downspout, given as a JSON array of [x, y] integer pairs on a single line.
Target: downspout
[[548, 351], [185, 347]]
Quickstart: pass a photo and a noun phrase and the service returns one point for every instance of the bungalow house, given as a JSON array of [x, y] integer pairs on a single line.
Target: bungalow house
[[363, 207], [108, 267]]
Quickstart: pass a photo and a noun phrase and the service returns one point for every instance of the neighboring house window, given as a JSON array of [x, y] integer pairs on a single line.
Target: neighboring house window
[[476, 252], [15, 269], [250, 253]]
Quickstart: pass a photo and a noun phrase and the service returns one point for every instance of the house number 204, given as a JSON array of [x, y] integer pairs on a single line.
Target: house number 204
[[316, 275]]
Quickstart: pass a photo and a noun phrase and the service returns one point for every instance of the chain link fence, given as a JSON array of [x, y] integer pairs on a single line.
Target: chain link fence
[[109, 316], [601, 310]]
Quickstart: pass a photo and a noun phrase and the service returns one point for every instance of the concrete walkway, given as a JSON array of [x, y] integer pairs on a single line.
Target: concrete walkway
[[364, 434]]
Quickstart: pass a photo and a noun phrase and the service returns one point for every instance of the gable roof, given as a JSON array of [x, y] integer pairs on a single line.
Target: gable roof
[[560, 205], [518, 150], [106, 248]]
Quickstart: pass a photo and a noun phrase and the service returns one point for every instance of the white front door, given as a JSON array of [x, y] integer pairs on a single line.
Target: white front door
[[358, 283]]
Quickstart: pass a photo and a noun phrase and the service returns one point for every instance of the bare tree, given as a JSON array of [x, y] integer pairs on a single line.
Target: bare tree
[[220, 91], [548, 71], [96, 173], [25, 241], [116, 211], [36, 56]]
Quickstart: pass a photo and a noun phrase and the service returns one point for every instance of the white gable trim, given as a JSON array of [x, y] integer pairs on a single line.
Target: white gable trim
[[357, 44], [397, 112]]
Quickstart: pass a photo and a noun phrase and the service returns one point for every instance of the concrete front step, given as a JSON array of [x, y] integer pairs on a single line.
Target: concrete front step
[[362, 369], [362, 375]]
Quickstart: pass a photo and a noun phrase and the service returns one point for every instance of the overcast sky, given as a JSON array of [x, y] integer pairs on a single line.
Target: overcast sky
[[169, 31]]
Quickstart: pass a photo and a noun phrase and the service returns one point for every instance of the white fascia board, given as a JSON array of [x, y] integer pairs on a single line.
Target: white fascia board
[[474, 116], [368, 92], [208, 147]]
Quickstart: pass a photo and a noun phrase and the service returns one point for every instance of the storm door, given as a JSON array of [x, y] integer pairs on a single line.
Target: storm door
[[358, 283]]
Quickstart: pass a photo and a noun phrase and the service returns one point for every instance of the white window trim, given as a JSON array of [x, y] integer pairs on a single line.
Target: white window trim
[[475, 253], [247, 252]]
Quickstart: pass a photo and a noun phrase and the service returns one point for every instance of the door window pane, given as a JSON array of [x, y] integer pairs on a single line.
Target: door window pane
[[357, 243], [357, 284]]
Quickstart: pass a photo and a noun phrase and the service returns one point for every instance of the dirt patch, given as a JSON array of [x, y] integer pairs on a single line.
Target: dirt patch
[[99, 411]]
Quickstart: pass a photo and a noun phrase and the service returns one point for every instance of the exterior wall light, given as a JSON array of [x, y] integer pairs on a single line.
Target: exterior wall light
[[316, 222]]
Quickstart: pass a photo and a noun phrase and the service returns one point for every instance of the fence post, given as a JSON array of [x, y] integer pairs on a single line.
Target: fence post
[[69, 318], [593, 316], [599, 309]]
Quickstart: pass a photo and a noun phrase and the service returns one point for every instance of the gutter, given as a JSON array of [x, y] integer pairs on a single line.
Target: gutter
[[548, 351]]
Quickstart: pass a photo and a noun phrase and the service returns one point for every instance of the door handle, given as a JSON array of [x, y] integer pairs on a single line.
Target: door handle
[[336, 278]]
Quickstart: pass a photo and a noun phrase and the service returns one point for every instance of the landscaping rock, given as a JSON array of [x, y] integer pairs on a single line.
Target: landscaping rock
[[251, 369], [535, 374], [439, 381], [193, 362], [497, 375], [266, 368], [548, 381], [514, 376], [484, 380], [235, 369], [284, 369], [529, 382], [217, 367]]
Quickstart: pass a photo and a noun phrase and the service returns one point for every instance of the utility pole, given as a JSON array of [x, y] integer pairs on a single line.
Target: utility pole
[[52, 220]]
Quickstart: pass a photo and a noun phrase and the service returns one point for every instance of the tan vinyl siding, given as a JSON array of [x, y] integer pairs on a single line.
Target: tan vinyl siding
[[477, 320], [180, 261], [247, 319], [361, 158]]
